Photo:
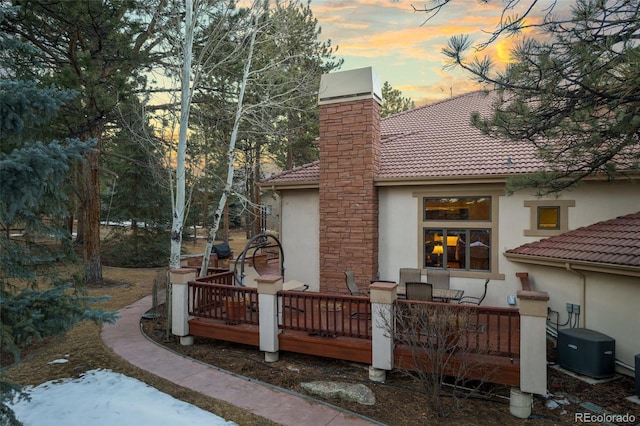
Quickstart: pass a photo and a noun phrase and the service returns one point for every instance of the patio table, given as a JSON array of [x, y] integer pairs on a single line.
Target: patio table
[[447, 294], [442, 294]]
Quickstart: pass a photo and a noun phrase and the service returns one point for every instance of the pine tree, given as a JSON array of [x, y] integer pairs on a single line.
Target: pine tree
[[571, 92], [100, 49], [393, 102], [32, 173]]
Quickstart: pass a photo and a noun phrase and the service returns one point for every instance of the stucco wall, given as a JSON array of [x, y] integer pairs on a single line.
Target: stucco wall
[[299, 236], [608, 304], [594, 202], [611, 302], [399, 236]]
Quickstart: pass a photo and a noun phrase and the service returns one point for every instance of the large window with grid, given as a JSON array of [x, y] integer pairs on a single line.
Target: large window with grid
[[457, 233]]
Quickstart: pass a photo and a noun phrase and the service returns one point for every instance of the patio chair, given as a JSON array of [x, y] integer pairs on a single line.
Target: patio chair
[[354, 290], [407, 275], [419, 291], [473, 300], [439, 278], [350, 279]]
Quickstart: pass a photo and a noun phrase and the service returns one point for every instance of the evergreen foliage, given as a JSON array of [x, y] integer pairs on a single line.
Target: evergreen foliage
[[31, 179], [101, 50], [393, 102], [146, 247], [136, 188], [33, 304], [571, 91]]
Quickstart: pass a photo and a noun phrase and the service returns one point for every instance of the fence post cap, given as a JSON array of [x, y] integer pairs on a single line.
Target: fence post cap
[[182, 275], [382, 292]]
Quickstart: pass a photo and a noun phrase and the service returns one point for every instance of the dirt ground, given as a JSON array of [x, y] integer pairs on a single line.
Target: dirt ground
[[399, 399]]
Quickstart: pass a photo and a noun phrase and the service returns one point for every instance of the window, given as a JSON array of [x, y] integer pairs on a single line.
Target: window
[[467, 249], [548, 217], [463, 208], [460, 243]]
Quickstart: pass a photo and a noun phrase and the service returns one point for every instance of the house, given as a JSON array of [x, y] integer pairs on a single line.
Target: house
[[425, 189]]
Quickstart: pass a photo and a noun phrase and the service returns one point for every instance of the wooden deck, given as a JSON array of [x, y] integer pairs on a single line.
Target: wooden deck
[[340, 327]]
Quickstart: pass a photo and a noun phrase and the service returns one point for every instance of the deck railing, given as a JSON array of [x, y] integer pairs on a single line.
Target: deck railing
[[304, 320], [477, 329], [213, 297], [325, 314], [217, 276], [488, 330]]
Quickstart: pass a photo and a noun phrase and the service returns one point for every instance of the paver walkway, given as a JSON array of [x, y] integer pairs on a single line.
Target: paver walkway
[[127, 340]]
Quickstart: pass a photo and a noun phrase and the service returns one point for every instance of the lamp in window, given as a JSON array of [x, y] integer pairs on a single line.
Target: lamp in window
[[452, 240], [437, 250]]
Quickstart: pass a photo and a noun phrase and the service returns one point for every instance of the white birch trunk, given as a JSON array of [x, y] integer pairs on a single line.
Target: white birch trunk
[[185, 106], [232, 152]]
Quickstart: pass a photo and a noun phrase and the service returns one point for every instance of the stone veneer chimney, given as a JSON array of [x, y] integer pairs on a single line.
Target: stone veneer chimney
[[349, 160]]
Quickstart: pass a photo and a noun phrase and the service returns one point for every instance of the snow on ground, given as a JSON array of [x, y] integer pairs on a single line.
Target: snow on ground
[[105, 398]]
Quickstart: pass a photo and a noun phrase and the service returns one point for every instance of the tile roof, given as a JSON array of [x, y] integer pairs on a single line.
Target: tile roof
[[612, 242], [309, 172], [438, 140]]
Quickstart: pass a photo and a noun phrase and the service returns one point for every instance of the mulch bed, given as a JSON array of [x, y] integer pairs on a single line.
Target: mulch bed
[[400, 400]]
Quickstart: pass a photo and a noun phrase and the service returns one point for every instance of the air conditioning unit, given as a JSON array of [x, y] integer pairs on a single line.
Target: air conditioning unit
[[587, 352]]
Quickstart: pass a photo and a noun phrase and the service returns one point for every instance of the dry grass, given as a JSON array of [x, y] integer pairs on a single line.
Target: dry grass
[[85, 350]]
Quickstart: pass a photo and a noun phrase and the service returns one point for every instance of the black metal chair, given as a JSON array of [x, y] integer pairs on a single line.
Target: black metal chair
[[350, 280], [473, 300], [354, 290]]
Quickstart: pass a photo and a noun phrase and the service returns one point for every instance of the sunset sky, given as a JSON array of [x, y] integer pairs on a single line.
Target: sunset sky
[[404, 49]]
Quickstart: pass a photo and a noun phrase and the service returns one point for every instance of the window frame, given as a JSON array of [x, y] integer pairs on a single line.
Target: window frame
[[443, 256], [534, 217], [489, 191]]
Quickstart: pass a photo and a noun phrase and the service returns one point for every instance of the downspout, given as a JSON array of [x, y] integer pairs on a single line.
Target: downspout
[[583, 294]]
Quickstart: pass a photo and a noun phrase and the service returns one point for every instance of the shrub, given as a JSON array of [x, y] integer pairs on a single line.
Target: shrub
[[137, 248]]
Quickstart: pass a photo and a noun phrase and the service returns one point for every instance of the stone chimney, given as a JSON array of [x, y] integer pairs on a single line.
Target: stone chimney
[[349, 160]]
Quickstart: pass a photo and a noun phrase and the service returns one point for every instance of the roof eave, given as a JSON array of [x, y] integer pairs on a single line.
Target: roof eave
[[440, 180], [605, 268], [278, 186]]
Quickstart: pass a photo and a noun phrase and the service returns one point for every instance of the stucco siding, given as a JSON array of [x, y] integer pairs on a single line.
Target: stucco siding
[[608, 304], [594, 202], [612, 308], [299, 236], [399, 237]]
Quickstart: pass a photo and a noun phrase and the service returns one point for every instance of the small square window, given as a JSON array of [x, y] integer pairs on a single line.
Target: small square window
[[549, 217]]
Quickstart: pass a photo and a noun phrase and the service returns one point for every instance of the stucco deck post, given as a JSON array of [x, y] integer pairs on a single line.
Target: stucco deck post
[[179, 279], [382, 296], [268, 288], [533, 341]]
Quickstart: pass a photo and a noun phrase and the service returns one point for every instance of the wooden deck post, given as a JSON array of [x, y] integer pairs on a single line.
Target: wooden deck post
[[179, 279], [268, 288], [383, 296], [533, 342]]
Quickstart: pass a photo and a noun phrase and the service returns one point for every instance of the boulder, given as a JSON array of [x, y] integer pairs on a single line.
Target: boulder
[[345, 391]]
